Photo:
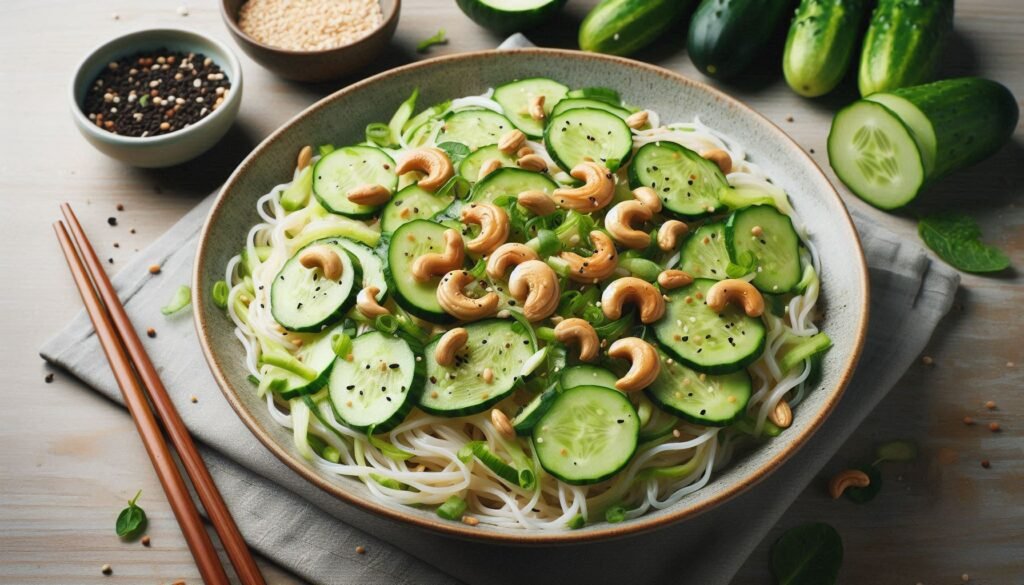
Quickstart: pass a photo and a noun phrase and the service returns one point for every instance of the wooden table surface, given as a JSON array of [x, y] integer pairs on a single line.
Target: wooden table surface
[[69, 459]]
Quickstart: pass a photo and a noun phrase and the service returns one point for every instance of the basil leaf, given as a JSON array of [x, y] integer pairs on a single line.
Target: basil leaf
[[438, 38], [181, 299], [957, 240], [810, 554], [132, 520], [456, 151]]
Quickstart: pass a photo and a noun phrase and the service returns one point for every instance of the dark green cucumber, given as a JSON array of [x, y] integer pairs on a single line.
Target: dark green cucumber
[[903, 44], [726, 35], [821, 44], [622, 27], [509, 16]]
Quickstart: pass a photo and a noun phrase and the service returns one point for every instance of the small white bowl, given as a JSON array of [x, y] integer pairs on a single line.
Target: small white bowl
[[166, 149]]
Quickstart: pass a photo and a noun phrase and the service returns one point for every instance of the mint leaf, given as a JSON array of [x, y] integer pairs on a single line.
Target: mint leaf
[[456, 151], [957, 240], [132, 520], [810, 554]]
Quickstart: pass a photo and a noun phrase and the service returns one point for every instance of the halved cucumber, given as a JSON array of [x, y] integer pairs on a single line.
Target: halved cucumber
[[920, 128], [704, 254], [301, 299], [576, 103], [706, 341], [588, 133], [317, 354], [588, 435], [502, 346], [512, 182], [371, 267], [347, 168], [509, 16], [687, 183], [470, 166], [408, 242], [762, 234], [587, 375], [474, 127], [379, 386], [515, 99], [699, 398], [409, 204], [528, 416]]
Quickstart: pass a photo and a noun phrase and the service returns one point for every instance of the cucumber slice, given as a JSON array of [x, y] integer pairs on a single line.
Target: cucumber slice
[[775, 251], [460, 389], [873, 152], [701, 399], [379, 386], [317, 354], [704, 253], [511, 182], [588, 435], [509, 16], [587, 375], [588, 133], [576, 103], [688, 183], [347, 168], [528, 416], [302, 300], [370, 266], [474, 127], [408, 242], [515, 99], [470, 166], [706, 341], [409, 204], [918, 124]]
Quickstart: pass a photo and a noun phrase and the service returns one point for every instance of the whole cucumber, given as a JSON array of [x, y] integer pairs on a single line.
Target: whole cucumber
[[622, 27], [820, 44], [903, 44], [726, 35]]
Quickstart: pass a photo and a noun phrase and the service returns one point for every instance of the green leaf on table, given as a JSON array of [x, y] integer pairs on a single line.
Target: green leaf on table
[[896, 451], [438, 38], [456, 151], [132, 520], [181, 299], [863, 495], [957, 240], [810, 554]]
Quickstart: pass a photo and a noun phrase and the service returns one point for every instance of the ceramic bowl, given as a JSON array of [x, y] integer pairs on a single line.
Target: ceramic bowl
[[167, 149], [341, 118], [313, 66]]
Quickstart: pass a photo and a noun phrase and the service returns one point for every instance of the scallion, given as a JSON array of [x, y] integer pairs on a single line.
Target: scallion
[[220, 293], [181, 299], [452, 509]]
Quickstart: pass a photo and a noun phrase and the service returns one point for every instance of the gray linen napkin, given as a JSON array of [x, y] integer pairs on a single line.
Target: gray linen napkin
[[313, 535]]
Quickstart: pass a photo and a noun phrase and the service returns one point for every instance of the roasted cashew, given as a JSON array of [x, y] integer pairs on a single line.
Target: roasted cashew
[[488, 167], [537, 202], [511, 141], [432, 161], [537, 107], [670, 279], [644, 366], [670, 233], [736, 291], [501, 424], [510, 254], [450, 343], [595, 193], [324, 258], [532, 162], [720, 158], [305, 157], [593, 268], [580, 332], [637, 120], [534, 284], [632, 289], [494, 226], [457, 304], [619, 222], [372, 195], [524, 151], [649, 197], [433, 264], [782, 415], [366, 302], [846, 479]]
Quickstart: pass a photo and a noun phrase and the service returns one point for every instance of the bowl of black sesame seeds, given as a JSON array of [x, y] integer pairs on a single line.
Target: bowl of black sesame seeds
[[156, 98]]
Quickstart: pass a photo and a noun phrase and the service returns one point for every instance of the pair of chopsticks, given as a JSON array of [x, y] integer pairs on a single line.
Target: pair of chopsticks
[[143, 394]]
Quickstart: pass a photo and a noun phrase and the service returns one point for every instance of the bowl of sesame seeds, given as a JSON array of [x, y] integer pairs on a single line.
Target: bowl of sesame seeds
[[312, 40], [156, 98]]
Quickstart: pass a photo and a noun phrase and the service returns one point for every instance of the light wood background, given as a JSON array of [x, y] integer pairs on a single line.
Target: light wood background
[[69, 459]]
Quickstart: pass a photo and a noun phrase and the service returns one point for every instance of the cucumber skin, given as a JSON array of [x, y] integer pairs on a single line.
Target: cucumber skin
[[820, 44], [622, 27], [505, 22], [726, 35], [903, 43]]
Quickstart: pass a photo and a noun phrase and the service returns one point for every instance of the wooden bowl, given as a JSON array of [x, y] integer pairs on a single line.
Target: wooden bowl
[[312, 66]]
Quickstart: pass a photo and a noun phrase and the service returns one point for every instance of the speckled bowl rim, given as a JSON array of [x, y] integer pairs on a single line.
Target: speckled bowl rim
[[603, 532]]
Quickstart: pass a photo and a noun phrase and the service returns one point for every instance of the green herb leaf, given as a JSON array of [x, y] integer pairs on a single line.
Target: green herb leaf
[[439, 38], [144, 100], [181, 299], [810, 554], [457, 186], [863, 495], [253, 380], [456, 151], [132, 520], [957, 240], [220, 294], [896, 451]]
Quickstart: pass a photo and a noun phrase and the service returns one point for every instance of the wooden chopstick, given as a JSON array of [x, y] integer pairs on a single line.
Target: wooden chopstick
[[206, 489]]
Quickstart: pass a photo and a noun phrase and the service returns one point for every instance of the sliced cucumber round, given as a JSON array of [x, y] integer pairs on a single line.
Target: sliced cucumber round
[[528, 416], [706, 341], [379, 386], [583, 134], [470, 166], [474, 127], [502, 346], [409, 204], [301, 299], [515, 99], [704, 253], [588, 435], [700, 398], [919, 125], [317, 354], [511, 182], [586, 375], [576, 103], [371, 267], [761, 234], [409, 242], [687, 183], [347, 168]]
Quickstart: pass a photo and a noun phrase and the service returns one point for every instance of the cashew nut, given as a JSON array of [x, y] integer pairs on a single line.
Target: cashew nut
[[736, 291], [720, 158], [532, 162], [846, 479], [619, 222], [433, 264], [581, 332], [649, 197], [511, 141], [639, 292], [324, 258], [488, 167], [782, 415], [450, 343], [670, 233], [534, 284], [596, 267], [537, 107], [537, 202], [433, 162], [455, 302], [595, 193], [366, 302], [510, 254], [671, 279], [637, 120], [372, 195], [524, 151], [644, 366], [494, 226], [305, 157], [501, 423]]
